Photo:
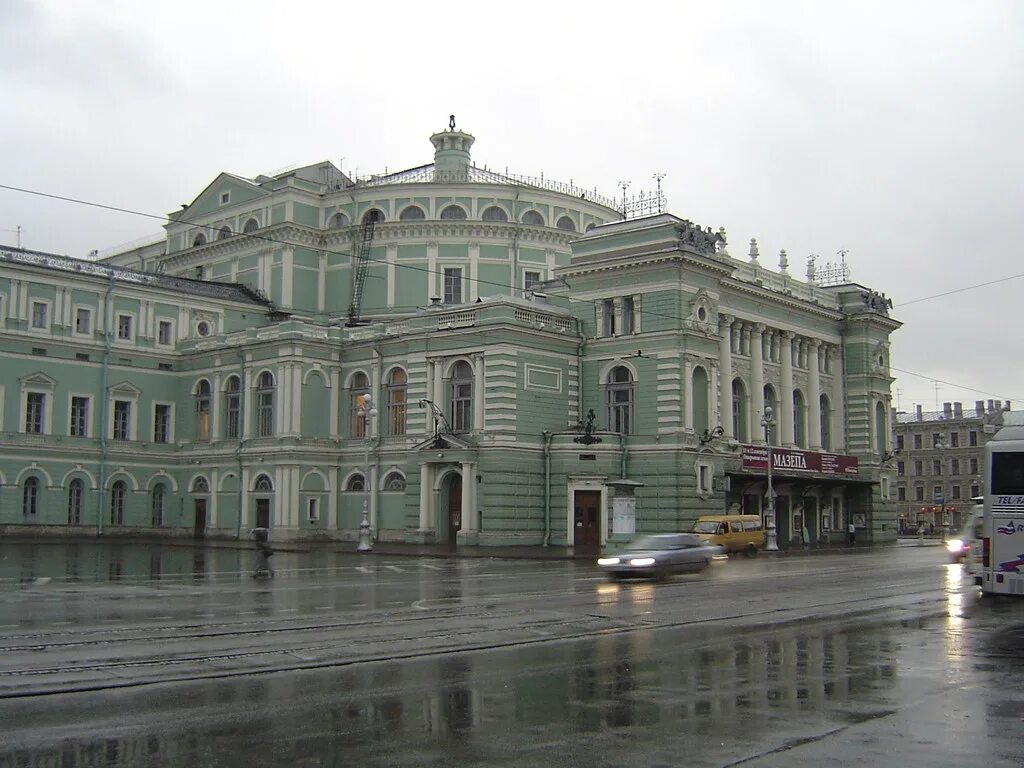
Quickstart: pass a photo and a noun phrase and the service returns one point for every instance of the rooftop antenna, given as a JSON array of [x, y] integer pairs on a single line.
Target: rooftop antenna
[[937, 388], [17, 230]]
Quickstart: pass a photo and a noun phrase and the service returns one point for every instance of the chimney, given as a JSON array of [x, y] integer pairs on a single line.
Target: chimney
[[917, 413], [435, 303], [947, 410], [958, 410], [1007, 406], [979, 407], [991, 406]]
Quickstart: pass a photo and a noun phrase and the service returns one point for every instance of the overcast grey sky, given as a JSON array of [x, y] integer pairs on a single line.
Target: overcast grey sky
[[891, 130]]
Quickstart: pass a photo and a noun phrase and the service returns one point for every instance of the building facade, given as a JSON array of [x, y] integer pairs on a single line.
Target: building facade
[[471, 357], [940, 462]]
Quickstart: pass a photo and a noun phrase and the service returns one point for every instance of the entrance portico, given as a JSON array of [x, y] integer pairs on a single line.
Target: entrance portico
[[448, 506]]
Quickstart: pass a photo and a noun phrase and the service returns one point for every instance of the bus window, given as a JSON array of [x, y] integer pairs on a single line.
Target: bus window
[[1007, 473]]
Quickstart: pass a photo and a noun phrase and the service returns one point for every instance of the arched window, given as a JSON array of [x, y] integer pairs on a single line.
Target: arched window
[[203, 410], [76, 493], [200, 240], [338, 221], [453, 212], [619, 400], [412, 213], [771, 401], [739, 410], [224, 233], [159, 497], [118, 493], [358, 388], [398, 383], [263, 485], [30, 496], [826, 422], [373, 216], [701, 396], [533, 218], [461, 397], [356, 483], [250, 226], [200, 485], [799, 419], [232, 408], [265, 405], [394, 482], [494, 213], [566, 224], [881, 430], [590, 227]]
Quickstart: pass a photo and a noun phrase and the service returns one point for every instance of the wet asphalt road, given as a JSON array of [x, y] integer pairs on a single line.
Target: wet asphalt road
[[174, 656]]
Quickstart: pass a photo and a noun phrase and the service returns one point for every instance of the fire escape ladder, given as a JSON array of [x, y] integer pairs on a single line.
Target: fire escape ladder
[[359, 271]]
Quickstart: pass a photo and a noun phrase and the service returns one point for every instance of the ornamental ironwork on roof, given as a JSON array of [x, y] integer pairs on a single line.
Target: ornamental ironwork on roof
[[213, 290]]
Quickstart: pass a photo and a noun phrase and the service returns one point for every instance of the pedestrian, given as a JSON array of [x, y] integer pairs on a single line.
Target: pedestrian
[[263, 553], [851, 534], [805, 537]]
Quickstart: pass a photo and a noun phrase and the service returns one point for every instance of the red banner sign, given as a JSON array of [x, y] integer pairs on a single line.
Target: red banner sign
[[790, 461]]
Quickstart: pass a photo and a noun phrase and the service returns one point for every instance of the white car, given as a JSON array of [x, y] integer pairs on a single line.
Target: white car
[[965, 547]]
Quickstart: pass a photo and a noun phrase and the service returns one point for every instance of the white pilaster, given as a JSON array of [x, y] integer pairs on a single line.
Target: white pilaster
[[478, 393], [725, 347], [786, 395], [813, 397], [756, 382]]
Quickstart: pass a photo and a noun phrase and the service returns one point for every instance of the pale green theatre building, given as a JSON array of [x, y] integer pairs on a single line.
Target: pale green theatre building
[[544, 365]]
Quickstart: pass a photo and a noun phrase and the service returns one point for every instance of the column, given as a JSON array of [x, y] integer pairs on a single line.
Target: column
[[688, 393], [468, 485], [216, 407], [245, 394], [725, 377], [786, 395], [713, 386], [282, 395], [478, 394], [424, 496], [333, 404], [813, 397], [756, 382]]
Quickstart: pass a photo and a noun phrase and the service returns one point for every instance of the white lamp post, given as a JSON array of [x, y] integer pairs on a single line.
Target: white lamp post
[[365, 413], [768, 421]]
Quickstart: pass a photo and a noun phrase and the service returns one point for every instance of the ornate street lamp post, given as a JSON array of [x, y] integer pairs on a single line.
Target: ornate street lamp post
[[768, 422], [365, 413]]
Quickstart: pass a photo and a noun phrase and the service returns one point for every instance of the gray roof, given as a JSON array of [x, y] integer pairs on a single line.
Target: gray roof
[[205, 289]]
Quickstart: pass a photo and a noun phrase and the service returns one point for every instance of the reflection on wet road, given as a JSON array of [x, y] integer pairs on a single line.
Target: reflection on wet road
[[761, 663]]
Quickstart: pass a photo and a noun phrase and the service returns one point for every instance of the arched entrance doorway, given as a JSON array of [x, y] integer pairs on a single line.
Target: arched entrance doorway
[[199, 486], [453, 483]]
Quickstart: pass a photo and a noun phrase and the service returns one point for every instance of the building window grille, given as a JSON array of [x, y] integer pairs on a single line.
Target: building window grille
[[394, 482], [356, 483], [453, 285], [35, 412], [76, 492], [461, 397], [397, 401], [265, 405], [619, 394]]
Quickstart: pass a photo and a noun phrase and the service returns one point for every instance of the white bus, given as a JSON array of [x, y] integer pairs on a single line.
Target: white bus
[[1002, 558]]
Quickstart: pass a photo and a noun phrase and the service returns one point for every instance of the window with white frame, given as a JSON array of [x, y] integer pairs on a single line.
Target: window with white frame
[[122, 420], [461, 397], [530, 279], [628, 315], [76, 494], [35, 413], [158, 503], [203, 409], [265, 405], [232, 408], [40, 315], [118, 496], [164, 332], [619, 394], [124, 327], [79, 426], [398, 383], [356, 483], [359, 387], [608, 317], [30, 496], [313, 510], [394, 482], [452, 285], [453, 212], [161, 423], [83, 321], [705, 478]]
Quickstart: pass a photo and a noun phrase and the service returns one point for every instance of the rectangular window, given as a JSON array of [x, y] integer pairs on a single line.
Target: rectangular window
[[972, 439], [35, 413], [954, 466], [936, 440], [124, 327], [162, 424], [39, 313], [122, 419], [1007, 473], [901, 468], [917, 442], [936, 492], [899, 442], [974, 468], [936, 467], [919, 493], [954, 439], [901, 494], [164, 332], [975, 491], [83, 320], [79, 417], [628, 315], [954, 492], [313, 511], [918, 468], [608, 313], [231, 414], [452, 285], [530, 279]]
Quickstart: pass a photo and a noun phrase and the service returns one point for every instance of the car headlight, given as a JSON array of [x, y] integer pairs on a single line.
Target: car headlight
[[642, 561], [607, 561], [955, 546]]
